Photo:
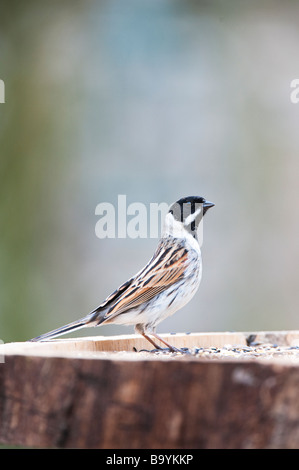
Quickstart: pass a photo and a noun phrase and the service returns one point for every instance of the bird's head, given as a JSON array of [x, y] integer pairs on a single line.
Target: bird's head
[[187, 213]]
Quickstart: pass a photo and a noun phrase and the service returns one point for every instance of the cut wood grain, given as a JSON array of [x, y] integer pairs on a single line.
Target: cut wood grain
[[120, 343], [137, 342]]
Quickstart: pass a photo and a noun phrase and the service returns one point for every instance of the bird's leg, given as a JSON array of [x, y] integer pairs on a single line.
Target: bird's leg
[[139, 328], [151, 341], [172, 348]]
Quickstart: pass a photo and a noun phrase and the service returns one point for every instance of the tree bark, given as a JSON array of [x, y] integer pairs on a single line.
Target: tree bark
[[135, 401]]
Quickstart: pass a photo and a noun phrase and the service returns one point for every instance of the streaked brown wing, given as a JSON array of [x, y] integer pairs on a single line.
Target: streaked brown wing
[[165, 268], [112, 298]]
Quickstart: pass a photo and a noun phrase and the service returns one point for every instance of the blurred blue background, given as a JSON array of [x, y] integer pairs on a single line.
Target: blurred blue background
[[156, 100]]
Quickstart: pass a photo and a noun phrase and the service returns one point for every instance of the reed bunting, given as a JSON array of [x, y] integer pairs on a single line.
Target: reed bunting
[[167, 283]]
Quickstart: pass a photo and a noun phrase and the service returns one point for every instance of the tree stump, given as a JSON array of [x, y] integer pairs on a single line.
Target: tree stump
[[231, 390]]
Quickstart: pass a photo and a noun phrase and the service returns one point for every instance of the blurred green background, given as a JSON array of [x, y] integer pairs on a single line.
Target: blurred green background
[[154, 99]]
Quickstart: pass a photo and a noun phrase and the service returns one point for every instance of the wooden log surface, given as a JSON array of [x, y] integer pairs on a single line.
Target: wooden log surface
[[98, 393]]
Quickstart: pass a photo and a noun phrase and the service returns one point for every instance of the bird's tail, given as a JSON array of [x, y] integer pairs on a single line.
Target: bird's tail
[[76, 325]]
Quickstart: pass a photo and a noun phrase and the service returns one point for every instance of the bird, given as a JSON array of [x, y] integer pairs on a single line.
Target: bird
[[166, 284]]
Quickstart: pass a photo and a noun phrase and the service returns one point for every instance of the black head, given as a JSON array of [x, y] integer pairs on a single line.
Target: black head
[[190, 210]]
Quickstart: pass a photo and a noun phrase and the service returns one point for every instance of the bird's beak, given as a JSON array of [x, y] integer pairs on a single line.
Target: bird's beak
[[207, 205]]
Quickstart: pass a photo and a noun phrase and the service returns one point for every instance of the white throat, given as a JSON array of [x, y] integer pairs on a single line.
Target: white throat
[[176, 229]]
